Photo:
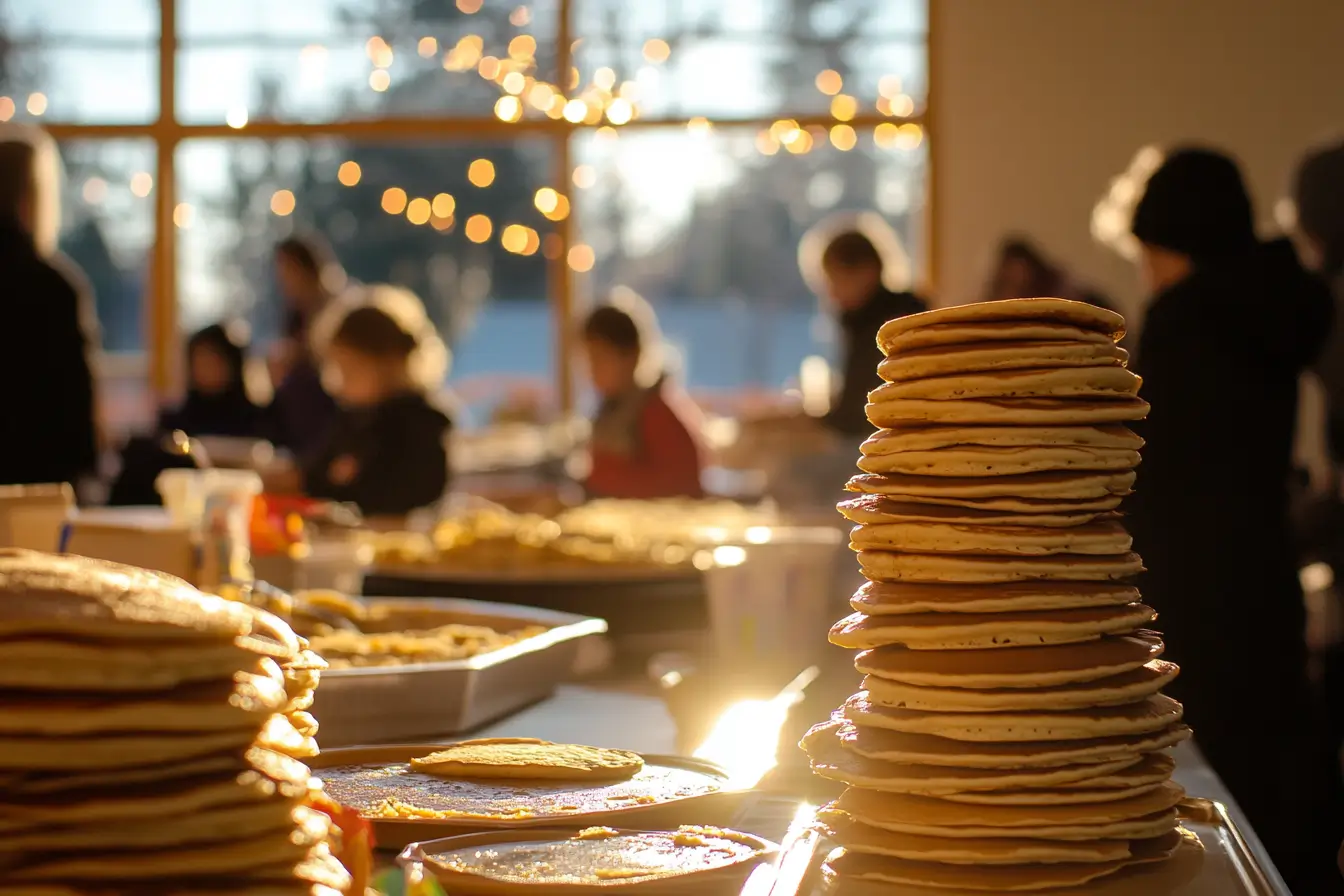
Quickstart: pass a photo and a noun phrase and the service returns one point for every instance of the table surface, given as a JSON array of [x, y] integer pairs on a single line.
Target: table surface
[[633, 721]]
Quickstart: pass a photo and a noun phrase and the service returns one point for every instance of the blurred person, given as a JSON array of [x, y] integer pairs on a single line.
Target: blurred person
[[387, 451], [310, 277], [1318, 200], [1232, 324], [48, 313], [216, 404], [1022, 271], [644, 442], [858, 267]]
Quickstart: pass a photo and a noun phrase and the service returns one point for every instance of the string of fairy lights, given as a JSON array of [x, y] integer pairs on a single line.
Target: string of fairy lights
[[604, 103]]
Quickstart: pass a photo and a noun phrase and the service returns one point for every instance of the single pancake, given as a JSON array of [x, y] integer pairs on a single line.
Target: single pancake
[[1023, 541], [979, 631], [939, 336], [1126, 687], [1103, 383], [1053, 486], [902, 598], [921, 363], [527, 759], [977, 460], [896, 412], [1013, 311], [888, 566], [1152, 714], [853, 835]]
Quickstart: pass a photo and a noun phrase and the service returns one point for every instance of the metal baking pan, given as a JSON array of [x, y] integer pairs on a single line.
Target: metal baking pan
[[1228, 867], [430, 700]]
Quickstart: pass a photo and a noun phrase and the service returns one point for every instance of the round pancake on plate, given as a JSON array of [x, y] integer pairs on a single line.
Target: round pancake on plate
[[832, 760], [979, 631], [976, 460], [529, 759], [928, 815], [1022, 667], [953, 359], [933, 438], [923, 749], [889, 566], [1058, 382], [897, 412], [878, 509], [1014, 311], [901, 598], [45, 595], [1152, 714], [1050, 485], [1127, 687], [977, 334], [855, 836], [842, 867], [1026, 541]]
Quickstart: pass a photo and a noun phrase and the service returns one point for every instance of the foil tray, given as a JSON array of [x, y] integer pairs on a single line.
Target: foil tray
[[387, 704], [1229, 865]]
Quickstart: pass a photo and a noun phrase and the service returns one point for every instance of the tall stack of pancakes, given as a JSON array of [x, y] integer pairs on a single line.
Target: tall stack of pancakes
[[145, 743], [1011, 733]]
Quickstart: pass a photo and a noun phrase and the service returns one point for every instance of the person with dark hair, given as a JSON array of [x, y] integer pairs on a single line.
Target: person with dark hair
[[643, 443], [853, 269], [47, 309], [309, 276], [1232, 325], [217, 403], [387, 451], [1022, 272]]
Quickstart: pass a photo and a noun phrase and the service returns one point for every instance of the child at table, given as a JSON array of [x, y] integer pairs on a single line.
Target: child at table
[[387, 451], [644, 442]]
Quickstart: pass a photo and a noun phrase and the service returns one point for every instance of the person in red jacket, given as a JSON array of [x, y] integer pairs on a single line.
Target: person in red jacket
[[644, 442]]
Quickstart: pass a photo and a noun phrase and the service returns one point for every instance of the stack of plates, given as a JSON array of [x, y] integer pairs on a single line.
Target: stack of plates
[[148, 740], [1011, 733]]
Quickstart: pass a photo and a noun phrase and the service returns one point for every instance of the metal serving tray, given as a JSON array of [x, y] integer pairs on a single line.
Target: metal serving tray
[[1229, 865], [431, 700]]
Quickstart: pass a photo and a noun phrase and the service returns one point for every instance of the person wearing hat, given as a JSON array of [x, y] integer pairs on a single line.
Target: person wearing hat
[[1232, 324]]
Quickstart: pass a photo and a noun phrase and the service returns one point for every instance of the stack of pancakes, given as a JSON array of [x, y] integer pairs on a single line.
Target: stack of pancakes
[[146, 741], [1011, 733]]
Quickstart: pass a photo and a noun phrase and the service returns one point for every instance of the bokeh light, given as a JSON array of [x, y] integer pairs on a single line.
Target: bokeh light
[[656, 50], [585, 176], [478, 228], [394, 200], [142, 183], [37, 103], [418, 210], [282, 202], [184, 215], [444, 205], [843, 137], [829, 82], [581, 257], [349, 173], [513, 238], [481, 173]]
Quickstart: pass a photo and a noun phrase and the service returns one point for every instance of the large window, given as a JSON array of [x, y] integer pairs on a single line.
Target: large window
[[509, 160]]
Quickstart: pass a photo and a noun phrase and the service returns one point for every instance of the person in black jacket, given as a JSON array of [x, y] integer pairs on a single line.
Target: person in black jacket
[[387, 451], [217, 403], [853, 269], [45, 368], [1232, 324]]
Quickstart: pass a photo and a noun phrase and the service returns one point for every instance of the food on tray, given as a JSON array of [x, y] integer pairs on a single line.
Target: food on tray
[[616, 858], [345, 650], [151, 738], [392, 789], [601, 533], [525, 759], [1011, 733]]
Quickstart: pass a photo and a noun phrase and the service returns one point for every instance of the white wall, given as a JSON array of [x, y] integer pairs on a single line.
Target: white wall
[[1038, 103]]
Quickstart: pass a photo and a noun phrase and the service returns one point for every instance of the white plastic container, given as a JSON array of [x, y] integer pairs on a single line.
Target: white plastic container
[[770, 590]]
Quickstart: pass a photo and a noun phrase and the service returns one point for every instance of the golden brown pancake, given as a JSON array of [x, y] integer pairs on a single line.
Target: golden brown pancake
[[841, 867], [901, 598], [878, 509], [1104, 383], [897, 412], [980, 631], [1069, 486], [527, 759], [1014, 311], [1152, 714], [1153, 825], [853, 835], [956, 359], [1023, 541], [975, 334], [1127, 687], [1023, 667], [934, 438], [889, 566], [976, 460], [924, 749], [831, 760]]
